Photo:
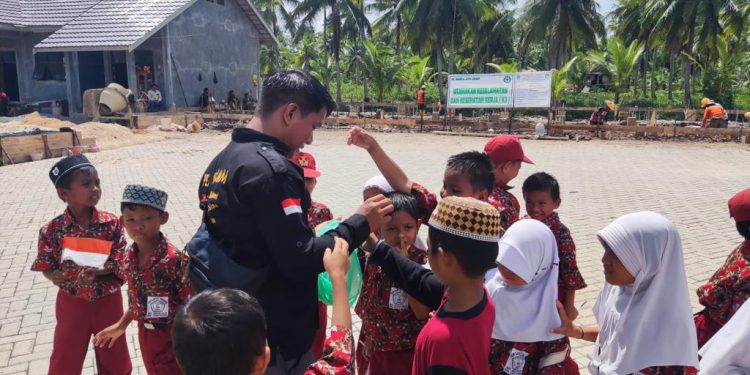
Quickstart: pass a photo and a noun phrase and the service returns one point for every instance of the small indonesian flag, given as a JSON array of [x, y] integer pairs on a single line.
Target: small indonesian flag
[[83, 251], [291, 206]]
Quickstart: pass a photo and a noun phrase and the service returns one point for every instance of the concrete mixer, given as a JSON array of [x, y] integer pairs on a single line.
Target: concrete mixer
[[111, 103]]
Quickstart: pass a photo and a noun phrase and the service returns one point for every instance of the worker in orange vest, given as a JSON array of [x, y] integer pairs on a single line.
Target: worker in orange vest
[[420, 101], [714, 114]]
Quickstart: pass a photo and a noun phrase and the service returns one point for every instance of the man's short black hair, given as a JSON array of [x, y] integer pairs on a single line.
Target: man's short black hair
[[475, 257], [476, 166], [294, 86], [219, 332], [542, 181], [67, 180], [404, 202], [744, 228]]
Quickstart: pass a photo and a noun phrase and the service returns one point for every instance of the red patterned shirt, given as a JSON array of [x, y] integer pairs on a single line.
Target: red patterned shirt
[[337, 354], [506, 203], [104, 226], [523, 358], [729, 287], [317, 214], [160, 284], [388, 322], [426, 201], [570, 277]]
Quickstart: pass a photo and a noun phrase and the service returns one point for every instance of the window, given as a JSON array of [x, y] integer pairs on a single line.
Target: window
[[49, 66]]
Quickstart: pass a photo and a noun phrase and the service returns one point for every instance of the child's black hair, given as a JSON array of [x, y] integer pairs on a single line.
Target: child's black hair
[[744, 228], [134, 206], [475, 257], [219, 332], [542, 181], [404, 202], [66, 181], [476, 166]]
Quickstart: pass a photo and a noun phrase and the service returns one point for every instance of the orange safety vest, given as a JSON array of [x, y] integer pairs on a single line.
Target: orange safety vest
[[420, 96], [712, 112]]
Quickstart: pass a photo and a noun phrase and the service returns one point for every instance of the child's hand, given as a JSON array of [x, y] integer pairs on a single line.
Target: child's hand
[[361, 138], [57, 277], [369, 245], [87, 276], [566, 328], [336, 261], [571, 311], [108, 336]]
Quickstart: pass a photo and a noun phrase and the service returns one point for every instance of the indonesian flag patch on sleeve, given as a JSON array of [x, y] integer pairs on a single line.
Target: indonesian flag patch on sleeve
[[292, 206], [90, 252]]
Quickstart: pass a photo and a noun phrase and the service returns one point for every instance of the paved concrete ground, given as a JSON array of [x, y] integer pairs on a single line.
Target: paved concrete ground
[[689, 183]]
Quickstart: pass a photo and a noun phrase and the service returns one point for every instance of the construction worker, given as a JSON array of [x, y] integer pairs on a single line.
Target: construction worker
[[421, 101], [715, 113], [599, 116]]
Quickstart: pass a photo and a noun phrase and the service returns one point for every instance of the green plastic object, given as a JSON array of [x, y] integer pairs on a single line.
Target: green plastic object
[[353, 277]]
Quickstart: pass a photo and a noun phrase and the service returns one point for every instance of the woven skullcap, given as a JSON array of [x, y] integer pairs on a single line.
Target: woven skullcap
[[146, 196], [468, 218]]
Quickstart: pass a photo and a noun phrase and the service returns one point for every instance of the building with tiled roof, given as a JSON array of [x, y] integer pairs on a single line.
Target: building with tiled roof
[[56, 49]]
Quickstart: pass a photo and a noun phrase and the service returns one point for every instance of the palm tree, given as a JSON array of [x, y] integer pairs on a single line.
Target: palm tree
[[381, 65], [342, 11], [561, 23], [619, 61], [390, 24]]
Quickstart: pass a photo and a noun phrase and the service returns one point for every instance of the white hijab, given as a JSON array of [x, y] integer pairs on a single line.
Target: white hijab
[[728, 352], [648, 323], [526, 313]]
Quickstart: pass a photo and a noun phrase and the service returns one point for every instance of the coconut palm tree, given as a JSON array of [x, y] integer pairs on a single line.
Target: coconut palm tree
[[561, 23], [620, 61], [381, 64]]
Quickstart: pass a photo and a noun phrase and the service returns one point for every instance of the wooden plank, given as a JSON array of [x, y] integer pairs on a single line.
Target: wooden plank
[[20, 148], [58, 142]]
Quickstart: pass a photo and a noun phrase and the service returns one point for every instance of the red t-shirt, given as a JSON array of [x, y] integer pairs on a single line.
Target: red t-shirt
[[456, 342]]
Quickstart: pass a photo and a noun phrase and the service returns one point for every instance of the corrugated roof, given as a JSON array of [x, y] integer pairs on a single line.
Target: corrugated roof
[[41, 14], [121, 24]]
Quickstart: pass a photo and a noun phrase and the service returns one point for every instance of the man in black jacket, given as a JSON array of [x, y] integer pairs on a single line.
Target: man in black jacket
[[254, 200]]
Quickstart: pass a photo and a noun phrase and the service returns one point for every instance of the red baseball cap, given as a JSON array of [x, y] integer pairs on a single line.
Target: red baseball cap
[[505, 148], [739, 206], [307, 162]]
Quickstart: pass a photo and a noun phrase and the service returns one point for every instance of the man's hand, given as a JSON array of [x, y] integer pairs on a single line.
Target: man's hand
[[360, 138], [336, 261], [108, 336], [377, 210]]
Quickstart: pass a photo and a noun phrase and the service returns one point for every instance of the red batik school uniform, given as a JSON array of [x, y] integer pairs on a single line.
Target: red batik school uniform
[[337, 354], [389, 327], [155, 291], [506, 203], [82, 310], [316, 215], [520, 358], [724, 293]]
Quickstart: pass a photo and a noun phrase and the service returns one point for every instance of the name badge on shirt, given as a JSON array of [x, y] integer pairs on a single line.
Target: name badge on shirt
[[397, 300], [157, 307], [516, 362]]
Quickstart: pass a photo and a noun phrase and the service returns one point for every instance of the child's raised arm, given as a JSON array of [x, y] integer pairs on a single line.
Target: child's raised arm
[[390, 170], [336, 263]]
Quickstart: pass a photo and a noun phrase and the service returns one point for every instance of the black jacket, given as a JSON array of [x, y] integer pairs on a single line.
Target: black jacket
[[254, 198]]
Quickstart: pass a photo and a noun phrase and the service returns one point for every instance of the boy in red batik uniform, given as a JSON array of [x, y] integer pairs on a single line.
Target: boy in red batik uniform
[[506, 154], [391, 319], [318, 214], [157, 284], [729, 287], [78, 251]]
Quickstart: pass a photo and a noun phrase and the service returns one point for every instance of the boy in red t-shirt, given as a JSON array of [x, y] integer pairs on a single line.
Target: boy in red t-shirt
[[78, 252], [463, 238], [157, 282], [729, 287], [506, 154]]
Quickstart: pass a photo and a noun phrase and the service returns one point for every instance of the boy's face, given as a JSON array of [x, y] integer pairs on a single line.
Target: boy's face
[[143, 224], [615, 272], [507, 171], [539, 204], [401, 231], [457, 184], [310, 184], [85, 189], [510, 278]]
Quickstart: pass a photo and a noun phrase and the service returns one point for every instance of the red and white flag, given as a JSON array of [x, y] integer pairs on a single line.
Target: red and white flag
[[291, 206], [83, 251]]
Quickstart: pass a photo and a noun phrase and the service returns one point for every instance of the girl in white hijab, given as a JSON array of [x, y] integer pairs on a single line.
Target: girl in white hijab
[[728, 352], [645, 325], [524, 291]]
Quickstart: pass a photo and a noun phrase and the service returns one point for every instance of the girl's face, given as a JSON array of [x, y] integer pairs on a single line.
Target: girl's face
[[614, 271], [510, 278]]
